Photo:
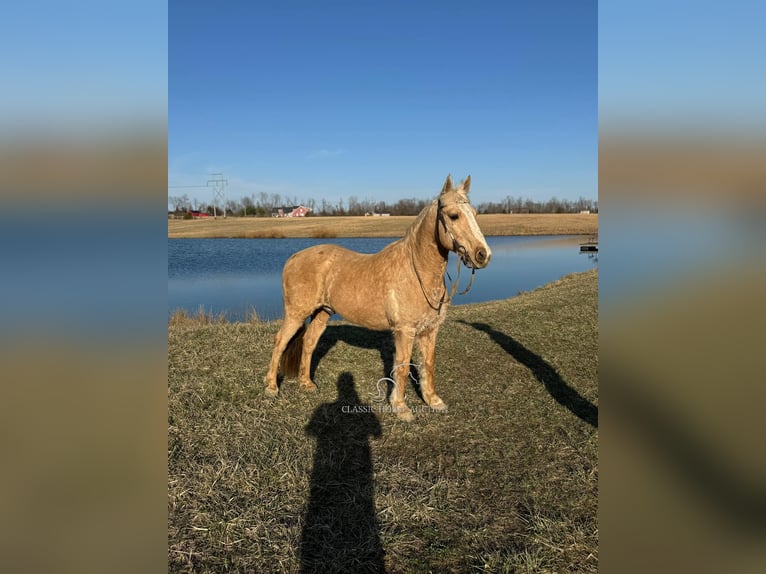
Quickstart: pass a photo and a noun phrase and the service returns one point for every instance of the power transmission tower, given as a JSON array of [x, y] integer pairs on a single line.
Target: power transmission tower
[[219, 192]]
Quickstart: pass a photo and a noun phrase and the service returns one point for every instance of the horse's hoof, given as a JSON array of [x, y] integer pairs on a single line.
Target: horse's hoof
[[440, 406], [271, 391], [405, 414], [309, 388]]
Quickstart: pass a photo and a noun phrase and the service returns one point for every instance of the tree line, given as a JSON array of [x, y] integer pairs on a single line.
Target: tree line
[[263, 204]]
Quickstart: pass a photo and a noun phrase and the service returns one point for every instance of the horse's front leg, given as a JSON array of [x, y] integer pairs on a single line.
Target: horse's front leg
[[427, 346], [403, 341]]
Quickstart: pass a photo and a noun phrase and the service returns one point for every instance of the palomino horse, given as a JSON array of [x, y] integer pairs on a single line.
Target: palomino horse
[[400, 289]]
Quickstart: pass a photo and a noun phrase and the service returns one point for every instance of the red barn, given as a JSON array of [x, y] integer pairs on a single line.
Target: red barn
[[299, 211]]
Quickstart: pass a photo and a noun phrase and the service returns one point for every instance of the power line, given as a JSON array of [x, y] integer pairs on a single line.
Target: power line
[[218, 183], [219, 192]]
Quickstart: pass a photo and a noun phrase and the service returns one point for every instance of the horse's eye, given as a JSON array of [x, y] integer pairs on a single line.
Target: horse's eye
[[454, 217]]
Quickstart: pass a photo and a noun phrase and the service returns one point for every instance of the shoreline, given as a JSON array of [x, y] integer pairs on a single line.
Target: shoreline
[[360, 226]]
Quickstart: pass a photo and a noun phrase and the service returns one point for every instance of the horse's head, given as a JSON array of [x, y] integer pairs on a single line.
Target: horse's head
[[457, 227]]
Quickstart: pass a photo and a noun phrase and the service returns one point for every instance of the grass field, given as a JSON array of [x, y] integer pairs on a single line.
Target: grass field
[[493, 224], [506, 481]]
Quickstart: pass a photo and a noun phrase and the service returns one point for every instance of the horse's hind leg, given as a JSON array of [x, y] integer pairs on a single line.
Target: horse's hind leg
[[310, 339], [282, 338]]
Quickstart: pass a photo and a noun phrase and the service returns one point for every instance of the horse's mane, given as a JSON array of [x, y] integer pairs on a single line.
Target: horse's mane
[[412, 230]]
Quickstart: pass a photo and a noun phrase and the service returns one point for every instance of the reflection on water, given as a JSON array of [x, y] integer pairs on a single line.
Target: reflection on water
[[236, 276]]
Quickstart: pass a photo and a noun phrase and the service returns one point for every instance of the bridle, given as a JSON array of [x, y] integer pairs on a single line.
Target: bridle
[[459, 250], [456, 246]]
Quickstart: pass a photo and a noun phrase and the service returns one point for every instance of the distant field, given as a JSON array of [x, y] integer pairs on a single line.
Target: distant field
[[496, 224]]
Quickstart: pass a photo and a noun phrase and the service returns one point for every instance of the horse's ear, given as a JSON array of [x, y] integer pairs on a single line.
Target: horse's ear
[[466, 184], [447, 184]]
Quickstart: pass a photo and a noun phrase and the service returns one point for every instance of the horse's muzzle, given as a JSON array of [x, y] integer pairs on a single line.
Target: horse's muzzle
[[481, 258]]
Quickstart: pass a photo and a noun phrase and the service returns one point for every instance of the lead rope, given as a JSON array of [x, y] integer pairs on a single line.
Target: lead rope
[[455, 284], [423, 288]]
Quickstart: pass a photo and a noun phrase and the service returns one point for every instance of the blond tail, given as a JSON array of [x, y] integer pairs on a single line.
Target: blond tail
[[290, 362]]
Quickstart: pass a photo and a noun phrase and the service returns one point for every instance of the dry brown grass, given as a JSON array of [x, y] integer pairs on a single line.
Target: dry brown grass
[[507, 481], [201, 317], [180, 317], [494, 224], [324, 232]]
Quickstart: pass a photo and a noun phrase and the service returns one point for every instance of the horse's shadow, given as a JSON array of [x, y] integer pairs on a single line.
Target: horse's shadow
[[544, 372], [381, 341]]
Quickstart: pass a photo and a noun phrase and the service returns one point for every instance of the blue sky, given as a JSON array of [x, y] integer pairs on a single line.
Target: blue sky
[[382, 99], [698, 66], [83, 66]]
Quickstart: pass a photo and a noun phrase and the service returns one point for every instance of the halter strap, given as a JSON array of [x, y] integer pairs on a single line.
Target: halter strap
[[459, 251], [456, 247]]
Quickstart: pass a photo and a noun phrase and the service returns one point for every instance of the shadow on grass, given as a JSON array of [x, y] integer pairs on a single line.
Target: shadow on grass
[[358, 337], [561, 392], [381, 341], [340, 529]]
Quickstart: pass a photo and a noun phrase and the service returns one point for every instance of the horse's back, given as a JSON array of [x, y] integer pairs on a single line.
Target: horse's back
[[306, 274], [315, 259], [332, 276]]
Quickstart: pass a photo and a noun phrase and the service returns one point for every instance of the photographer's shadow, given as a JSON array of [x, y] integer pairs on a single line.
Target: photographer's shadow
[[340, 528]]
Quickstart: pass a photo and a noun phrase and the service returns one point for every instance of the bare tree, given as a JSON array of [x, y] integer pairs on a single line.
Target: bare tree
[[353, 205], [179, 202], [233, 207], [247, 205]]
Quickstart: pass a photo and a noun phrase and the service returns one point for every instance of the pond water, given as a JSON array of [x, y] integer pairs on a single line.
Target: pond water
[[237, 276]]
